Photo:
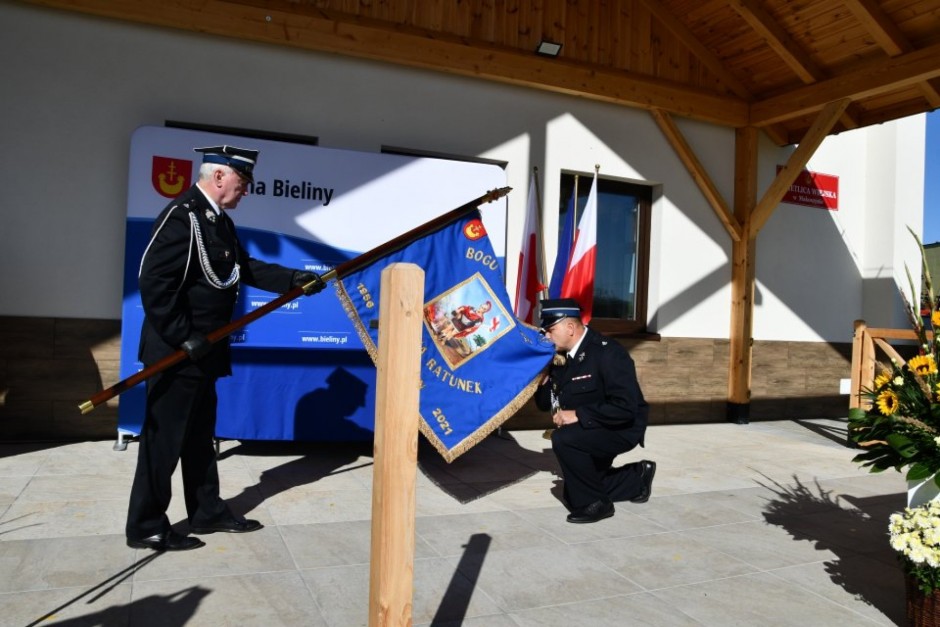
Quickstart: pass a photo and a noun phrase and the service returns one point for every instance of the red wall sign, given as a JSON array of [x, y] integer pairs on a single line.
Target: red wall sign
[[814, 189]]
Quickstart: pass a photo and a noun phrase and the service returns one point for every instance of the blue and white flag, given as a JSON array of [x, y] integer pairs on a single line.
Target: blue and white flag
[[479, 365]]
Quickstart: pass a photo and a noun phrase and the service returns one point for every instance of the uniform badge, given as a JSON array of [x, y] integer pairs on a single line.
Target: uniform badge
[[210, 216], [580, 357]]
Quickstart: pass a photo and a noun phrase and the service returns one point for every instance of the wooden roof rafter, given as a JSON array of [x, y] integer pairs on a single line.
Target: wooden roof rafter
[[789, 50], [698, 48], [890, 38], [868, 80], [717, 61]]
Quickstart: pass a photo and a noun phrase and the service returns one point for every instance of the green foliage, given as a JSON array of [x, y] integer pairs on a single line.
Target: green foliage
[[901, 427]]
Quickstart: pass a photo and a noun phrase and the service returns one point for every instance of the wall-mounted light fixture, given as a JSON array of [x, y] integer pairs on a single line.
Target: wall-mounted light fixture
[[548, 48]]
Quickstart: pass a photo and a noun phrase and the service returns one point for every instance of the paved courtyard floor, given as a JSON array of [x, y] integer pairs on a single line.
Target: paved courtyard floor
[[762, 524]]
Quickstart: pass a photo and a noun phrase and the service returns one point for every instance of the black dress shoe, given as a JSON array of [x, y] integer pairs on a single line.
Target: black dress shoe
[[647, 470], [166, 541], [230, 525], [598, 510]]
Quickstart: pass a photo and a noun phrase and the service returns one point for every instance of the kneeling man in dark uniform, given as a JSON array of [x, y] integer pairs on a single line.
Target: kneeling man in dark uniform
[[599, 412]]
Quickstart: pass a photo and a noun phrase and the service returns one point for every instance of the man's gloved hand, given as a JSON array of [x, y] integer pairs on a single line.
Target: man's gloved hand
[[311, 280], [197, 346]]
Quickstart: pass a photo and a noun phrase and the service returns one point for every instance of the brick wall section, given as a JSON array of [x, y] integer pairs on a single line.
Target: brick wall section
[[685, 380], [48, 366]]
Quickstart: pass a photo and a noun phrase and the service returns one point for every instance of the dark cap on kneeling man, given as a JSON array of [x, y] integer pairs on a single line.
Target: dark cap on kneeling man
[[557, 309]]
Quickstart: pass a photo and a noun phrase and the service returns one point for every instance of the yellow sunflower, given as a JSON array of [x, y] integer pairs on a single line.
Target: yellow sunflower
[[923, 365], [935, 318], [888, 402], [883, 379]]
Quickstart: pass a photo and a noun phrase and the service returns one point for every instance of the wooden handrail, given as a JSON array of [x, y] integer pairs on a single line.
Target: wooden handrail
[[864, 343]]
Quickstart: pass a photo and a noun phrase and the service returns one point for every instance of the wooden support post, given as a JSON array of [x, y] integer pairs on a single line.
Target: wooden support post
[[752, 215], [867, 378], [743, 253], [859, 373], [391, 580], [855, 398]]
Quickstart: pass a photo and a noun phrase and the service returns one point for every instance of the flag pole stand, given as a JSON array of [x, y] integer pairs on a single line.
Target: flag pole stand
[[395, 454]]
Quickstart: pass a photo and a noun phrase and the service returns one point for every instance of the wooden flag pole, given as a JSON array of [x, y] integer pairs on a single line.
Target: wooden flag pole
[[395, 451], [339, 272]]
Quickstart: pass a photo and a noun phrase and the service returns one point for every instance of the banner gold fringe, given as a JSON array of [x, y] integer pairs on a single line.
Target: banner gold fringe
[[485, 429], [361, 330]]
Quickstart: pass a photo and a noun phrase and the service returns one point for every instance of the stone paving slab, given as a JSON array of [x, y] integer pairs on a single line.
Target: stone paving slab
[[761, 524]]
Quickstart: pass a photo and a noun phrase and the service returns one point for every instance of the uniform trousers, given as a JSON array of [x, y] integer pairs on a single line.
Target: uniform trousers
[[179, 427], [586, 457]]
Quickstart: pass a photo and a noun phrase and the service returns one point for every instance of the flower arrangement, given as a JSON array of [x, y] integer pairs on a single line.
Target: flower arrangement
[[915, 535], [901, 428]]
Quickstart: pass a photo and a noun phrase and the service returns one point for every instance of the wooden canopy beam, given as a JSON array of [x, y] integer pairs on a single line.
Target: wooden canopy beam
[[685, 153], [305, 27], [786, 48], [778, 40], [701, 52], [869, 80], [887, 35]]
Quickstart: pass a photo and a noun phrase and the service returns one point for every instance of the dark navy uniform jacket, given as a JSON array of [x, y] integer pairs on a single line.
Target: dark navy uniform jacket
[[177, 293], [600, 384]]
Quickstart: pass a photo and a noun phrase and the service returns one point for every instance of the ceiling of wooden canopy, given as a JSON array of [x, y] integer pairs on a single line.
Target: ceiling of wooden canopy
[[772, 64]]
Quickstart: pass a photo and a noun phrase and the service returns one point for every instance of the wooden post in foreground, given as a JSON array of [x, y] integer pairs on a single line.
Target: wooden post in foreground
[[391, 578]]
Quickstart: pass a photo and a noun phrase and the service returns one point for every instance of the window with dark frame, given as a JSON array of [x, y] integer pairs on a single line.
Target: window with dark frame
[[623, 234]]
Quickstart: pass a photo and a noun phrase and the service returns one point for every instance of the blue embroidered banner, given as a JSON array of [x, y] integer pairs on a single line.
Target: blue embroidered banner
[[479, 364]]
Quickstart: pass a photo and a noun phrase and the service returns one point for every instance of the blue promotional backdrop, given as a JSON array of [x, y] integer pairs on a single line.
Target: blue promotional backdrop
[[301, 372]]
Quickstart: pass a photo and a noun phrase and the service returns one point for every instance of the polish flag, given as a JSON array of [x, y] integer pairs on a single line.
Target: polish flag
[[579, 280], [529, 280]]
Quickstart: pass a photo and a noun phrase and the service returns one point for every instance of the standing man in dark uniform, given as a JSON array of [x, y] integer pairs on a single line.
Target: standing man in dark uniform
[[189, 278], [599, 412]]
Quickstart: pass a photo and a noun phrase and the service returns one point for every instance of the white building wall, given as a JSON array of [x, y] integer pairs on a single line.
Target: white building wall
[[853, 259], [80, 86]]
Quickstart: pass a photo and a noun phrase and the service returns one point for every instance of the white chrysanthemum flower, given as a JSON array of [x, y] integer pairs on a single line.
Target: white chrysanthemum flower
[[917, 555], [898, 381], [932, 560], [915, 534]]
